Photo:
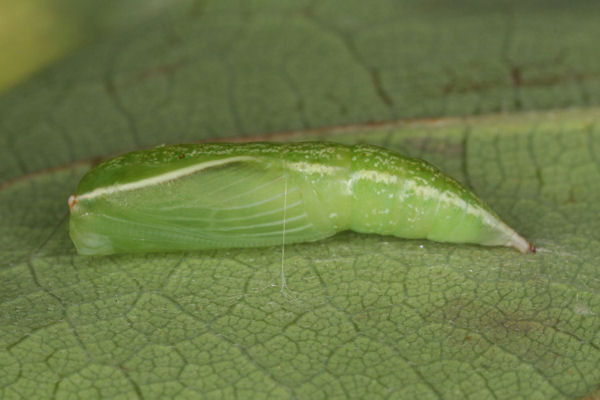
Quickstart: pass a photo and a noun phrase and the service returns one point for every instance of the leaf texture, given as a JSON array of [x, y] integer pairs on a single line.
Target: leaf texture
[[361, 316]]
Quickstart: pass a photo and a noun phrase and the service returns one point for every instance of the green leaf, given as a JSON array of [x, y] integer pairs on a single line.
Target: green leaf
[[215, 69], [362, 315]]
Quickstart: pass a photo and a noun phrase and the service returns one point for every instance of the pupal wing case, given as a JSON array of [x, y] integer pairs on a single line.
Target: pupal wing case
[[202, 196]]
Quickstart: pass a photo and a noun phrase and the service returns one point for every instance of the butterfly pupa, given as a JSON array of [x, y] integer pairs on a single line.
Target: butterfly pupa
[[219, 195]]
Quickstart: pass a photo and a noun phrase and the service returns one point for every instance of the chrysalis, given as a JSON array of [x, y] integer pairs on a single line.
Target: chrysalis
[[204, 196]]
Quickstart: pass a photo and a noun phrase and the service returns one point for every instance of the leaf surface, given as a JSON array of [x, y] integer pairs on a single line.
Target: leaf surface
[[362, 315]]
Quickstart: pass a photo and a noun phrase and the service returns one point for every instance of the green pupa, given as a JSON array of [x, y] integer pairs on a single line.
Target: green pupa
[[219, 195]]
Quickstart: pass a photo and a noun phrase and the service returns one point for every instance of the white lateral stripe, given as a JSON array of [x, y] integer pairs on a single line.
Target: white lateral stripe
[[314, 168], [168, 176]]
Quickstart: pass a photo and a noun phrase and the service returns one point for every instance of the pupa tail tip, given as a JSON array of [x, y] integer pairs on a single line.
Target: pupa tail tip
[[532, 248], [521, 244], [72, 201]]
